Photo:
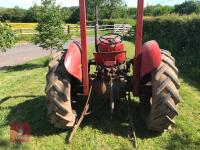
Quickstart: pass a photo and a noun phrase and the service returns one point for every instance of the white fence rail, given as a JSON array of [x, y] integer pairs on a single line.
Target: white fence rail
[[117, 28]]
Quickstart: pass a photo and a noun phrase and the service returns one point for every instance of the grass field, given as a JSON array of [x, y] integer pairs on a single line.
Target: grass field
[[26, 25], [22, 99], [22, 25]]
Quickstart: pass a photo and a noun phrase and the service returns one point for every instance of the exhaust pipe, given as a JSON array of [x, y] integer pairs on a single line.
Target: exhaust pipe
[[96, 27]]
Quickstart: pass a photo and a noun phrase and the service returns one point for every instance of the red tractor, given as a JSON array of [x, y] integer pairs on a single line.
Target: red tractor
[[154, 80]]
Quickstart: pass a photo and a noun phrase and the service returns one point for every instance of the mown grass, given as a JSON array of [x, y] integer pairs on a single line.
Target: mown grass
[[22, 99], [24, 38]]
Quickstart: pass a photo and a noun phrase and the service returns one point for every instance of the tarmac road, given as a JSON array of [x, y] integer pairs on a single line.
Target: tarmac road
[[21, 53]]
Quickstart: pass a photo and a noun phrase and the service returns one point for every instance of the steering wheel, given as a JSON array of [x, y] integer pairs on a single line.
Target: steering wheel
[[111, 40]]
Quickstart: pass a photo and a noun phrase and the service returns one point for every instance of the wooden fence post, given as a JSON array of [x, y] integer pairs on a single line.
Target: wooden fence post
[[123, 29], [20, 34], [68, 29]]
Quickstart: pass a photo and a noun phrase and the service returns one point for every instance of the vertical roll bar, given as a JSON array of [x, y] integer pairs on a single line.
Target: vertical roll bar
[[138, 46], [82, 6]]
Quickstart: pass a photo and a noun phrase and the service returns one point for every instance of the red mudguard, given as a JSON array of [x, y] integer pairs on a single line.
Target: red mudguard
[[73, 60], [150, 58]]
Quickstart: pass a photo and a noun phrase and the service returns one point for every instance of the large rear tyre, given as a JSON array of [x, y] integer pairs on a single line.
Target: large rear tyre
[[58, 92], [159, 106]]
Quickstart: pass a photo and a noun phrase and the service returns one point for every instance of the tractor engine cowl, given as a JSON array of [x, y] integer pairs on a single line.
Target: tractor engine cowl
[[110, 52], [110, 45]]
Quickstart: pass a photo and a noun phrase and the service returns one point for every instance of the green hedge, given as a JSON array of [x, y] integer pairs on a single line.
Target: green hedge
[[180, 35]]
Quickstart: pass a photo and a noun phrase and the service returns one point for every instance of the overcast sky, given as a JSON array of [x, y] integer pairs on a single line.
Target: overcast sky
[[28, 3]]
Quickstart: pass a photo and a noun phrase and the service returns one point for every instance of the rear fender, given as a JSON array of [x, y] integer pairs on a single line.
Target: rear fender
[[73, 60], [150, 58]]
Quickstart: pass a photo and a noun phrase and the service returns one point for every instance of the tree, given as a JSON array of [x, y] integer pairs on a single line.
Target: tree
[[50, 27], [110, 6], [32, 14], [66, 13], [91, 7], [74, 16], [187, 7], [120, 11], [132, 11], [19, 14], [108, 9], [15, 14], [7, 38], [158, 10]]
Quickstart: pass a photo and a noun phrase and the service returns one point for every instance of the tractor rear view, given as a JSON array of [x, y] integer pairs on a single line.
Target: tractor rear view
[[154, 79]]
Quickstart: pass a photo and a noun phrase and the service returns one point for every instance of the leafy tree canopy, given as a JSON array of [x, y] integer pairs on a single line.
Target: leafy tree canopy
[[32, 14], [188, 7], [15, 14], [108, 9], [50, 26]]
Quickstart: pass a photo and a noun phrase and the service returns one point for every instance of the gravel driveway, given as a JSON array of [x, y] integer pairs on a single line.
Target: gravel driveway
[[22, 53]]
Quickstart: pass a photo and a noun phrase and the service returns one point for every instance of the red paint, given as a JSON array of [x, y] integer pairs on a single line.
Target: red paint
[[138, 47], [110, 43], [82, 6], [150, 58], [73, 61], [103, 47], [110, 59], [111, 39], [110, 51]]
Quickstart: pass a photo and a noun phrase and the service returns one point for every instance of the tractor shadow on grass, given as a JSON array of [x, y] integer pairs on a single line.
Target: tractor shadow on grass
[[182, 141], [118, 126], [193, 82], [34, 112], [26, 66]]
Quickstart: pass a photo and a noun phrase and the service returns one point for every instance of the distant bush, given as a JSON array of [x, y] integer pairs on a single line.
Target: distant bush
[[180, 35], [7, 37]]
